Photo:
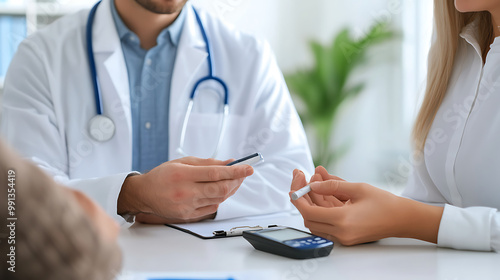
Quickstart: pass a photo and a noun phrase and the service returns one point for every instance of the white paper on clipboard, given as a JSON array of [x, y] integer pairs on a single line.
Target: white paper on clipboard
[[205, 229], [236, 275]]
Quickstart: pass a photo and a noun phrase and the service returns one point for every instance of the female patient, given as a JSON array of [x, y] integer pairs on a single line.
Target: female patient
[[457, 151]]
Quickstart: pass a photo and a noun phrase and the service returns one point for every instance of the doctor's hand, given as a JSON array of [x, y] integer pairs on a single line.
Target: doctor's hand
[[366, 214], [179, 191]]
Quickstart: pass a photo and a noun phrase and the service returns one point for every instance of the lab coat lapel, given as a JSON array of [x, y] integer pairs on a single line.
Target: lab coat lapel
[[191, 56], [111, 67], [191, 53]]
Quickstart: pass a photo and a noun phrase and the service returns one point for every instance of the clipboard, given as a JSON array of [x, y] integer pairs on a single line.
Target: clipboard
[[221, 233], [232, 227]]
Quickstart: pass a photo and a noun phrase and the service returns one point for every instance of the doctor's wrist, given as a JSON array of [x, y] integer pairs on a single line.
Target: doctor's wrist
[[130, 201]]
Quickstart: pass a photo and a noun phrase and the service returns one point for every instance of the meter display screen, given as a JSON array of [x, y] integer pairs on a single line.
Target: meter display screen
[[285, 234]]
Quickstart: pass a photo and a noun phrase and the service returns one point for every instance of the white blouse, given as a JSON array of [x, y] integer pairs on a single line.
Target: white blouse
[[460, 167]]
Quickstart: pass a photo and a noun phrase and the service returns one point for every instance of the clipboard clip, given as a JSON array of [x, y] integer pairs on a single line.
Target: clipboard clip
[[236, 231]]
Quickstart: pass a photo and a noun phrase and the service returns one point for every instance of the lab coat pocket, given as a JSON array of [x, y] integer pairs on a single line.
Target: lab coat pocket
[[204, 130]]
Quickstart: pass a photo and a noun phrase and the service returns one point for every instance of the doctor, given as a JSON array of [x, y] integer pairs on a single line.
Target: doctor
[[143, 86]]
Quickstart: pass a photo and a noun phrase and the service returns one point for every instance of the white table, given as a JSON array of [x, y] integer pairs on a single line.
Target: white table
[[157, 248]]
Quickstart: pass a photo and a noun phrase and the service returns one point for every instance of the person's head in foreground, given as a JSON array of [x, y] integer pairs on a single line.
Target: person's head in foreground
[[59, 233]]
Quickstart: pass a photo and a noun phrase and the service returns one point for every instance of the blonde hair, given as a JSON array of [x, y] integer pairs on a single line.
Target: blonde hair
[[448, 24]]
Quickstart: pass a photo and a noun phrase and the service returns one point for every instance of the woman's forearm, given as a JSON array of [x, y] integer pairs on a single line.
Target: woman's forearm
[[419, 220]]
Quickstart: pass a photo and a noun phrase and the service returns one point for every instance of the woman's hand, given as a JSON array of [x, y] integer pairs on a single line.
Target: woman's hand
[[321, 175], [365, 214]]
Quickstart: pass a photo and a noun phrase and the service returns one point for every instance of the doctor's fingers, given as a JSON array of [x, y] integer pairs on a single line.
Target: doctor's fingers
[[205, 201], [202, 202], [219, 173], [235, 189], [200, 161], [194, 214], [221, 189]]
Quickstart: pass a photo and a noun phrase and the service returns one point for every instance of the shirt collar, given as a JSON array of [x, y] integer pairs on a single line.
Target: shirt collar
[[172, 32], [469, 33], [121, 28]]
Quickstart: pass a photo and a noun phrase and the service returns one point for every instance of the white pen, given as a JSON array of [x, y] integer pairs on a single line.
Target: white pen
[[236, 231], [298, 194], [239, 230]]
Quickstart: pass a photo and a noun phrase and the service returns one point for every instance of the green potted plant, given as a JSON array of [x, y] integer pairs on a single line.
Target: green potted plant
[[324, 88]]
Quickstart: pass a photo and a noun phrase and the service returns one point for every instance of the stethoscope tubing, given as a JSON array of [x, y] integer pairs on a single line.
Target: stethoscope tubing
[[193, 93], [91, 59], [95, 121]]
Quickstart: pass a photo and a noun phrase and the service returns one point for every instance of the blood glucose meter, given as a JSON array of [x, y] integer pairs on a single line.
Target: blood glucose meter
[[289, 242]]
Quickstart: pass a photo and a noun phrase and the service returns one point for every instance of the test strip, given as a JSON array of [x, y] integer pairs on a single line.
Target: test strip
[[300, 193]]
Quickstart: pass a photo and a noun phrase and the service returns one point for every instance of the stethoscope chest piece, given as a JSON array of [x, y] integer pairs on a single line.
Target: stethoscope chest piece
[[101, 128]]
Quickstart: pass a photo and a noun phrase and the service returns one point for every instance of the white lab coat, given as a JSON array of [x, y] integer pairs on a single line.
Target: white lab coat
[[461, 164], [49, 100]]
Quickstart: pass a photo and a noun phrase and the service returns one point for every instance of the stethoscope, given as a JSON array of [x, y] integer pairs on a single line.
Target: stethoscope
[[102, 128]]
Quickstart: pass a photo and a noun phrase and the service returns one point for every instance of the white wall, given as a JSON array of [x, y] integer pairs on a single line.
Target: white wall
[[288, 24]]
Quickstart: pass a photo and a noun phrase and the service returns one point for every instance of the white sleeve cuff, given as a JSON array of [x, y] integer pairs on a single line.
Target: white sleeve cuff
[[495, 233], [105, 192], [466, 228]]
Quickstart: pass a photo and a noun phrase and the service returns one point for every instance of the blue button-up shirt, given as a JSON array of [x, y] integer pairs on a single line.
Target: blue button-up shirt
[[150, 75]]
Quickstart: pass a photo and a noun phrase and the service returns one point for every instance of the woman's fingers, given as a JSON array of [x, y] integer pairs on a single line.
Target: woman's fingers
[[316, 178], [366, 213], [335, 202], [319, 222], [325, 235], [321, 228], [342, 190], [302, 203], [325, 175], [317, 198], [317, 213], [298, 182], [323, 200]]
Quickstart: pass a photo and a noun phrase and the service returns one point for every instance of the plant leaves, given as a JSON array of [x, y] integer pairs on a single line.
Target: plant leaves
[[322, 88]]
